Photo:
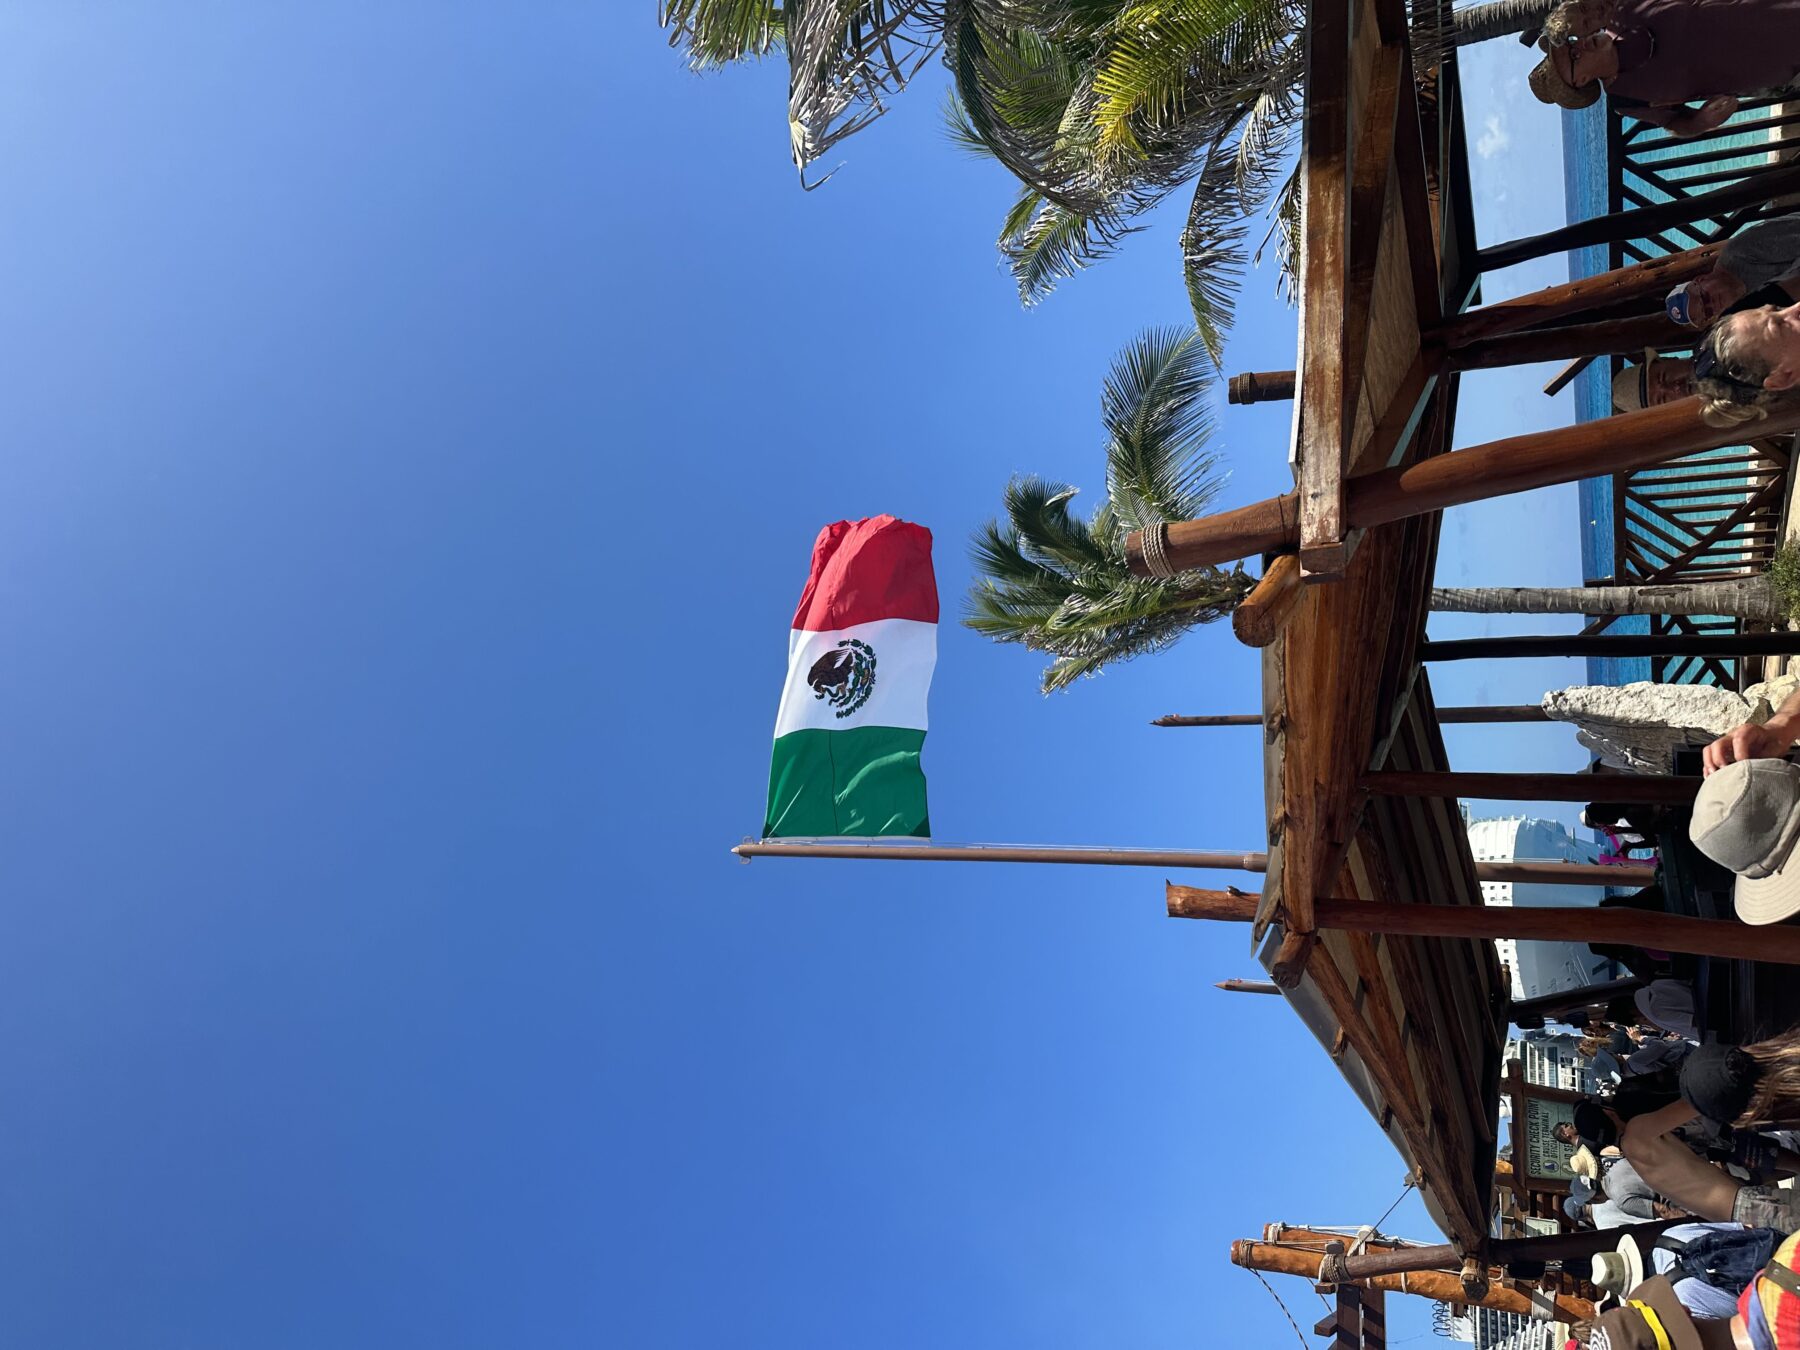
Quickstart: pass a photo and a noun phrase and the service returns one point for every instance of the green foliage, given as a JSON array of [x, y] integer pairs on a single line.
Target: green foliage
[[1058, 583], [718, 32], [1784, 579]]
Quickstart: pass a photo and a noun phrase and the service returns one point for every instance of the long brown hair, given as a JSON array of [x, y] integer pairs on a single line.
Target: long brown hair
[[1776, 1098]]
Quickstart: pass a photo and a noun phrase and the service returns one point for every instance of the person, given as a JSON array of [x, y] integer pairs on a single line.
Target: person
[[1657, 1052], [1758, 260], [1652, 1317], [1654, 57], [1747, 819], [1747, 363], [1753, 740], [1652, 382], [1709, 1264], [1749, 1088]]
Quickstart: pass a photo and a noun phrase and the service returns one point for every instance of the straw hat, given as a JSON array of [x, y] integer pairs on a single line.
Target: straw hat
[[1631, 386], [1617, 1271], [1549, 87], [1583, 1163]]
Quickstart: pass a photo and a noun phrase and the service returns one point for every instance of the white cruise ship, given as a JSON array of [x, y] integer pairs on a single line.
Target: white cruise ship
[[1539, 967]]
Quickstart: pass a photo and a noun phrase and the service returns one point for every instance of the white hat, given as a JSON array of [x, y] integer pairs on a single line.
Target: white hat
[[1747, 818], [1621, 1270], [1583, 1163], [1631, 386]]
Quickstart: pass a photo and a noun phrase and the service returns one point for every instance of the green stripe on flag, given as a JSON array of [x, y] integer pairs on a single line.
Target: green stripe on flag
[[864, 780]]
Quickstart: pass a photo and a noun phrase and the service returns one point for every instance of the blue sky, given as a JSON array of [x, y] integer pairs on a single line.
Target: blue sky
[[417, 418]]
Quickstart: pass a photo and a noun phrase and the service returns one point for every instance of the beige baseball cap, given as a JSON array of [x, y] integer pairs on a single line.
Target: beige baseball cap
[[1747, 818]]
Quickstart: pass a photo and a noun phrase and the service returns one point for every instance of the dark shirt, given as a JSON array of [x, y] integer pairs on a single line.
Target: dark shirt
[[1763, 295], [1698, 49]]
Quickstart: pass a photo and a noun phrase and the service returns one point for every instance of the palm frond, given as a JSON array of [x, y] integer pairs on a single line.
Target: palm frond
[[844, 58], [1058, 584], [718, 32], [1159, 420], [1053, 243]]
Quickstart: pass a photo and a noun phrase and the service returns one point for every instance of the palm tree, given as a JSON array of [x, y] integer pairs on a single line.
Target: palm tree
[[1058, 583], [1100, 108], [1749, 597]]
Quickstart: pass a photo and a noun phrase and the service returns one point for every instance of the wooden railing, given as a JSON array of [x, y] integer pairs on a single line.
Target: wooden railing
[[1718, 514]]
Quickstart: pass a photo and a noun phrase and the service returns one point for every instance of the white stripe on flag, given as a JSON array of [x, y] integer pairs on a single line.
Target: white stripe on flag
[[905, 651]]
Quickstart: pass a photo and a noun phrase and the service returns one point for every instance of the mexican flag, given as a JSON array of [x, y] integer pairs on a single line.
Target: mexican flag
[[860, 657]]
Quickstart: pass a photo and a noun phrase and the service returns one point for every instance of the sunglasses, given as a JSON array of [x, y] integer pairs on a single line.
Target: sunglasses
[[1707, 366]]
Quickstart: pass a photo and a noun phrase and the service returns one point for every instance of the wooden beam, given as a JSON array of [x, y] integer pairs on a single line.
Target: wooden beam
[[1324, 182], [1262, 614], [1516, 464], [1726, 938], [1622, 337], [1725, 645], [1556, 1007], [1536, 308], [1260, 386], [1619, 226], [1248, 987], [1533, 787], [1440, 1286]]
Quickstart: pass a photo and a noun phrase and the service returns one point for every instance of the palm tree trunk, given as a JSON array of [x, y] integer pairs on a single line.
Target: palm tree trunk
[[1478, 23], [1744, 598]]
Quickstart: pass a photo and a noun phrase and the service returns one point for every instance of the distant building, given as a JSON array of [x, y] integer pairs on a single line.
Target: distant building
[[1486, 1329], [1538, 967], [1553, 1060]]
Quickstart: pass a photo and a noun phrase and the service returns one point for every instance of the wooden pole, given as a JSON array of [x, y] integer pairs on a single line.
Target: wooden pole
[[1727, 938], [1759, 187], [1654, 277], [1249, 987], [1524, 870], [1262, 614], [1513, 712], [1260, 386], [1517, 464], [1617, 336], [1557, 1007], [1010, 853], [1533, 787], [1780, 643], [1433, 1284]]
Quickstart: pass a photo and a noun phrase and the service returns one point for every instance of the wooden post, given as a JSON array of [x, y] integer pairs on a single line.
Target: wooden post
[[1763, 185], [1260, 386], [1499, 712], [1727, 938], [1533, 787], [1433, 1284], [1517, 464], [1730, 645], [1262, 614], [1640, 281], [1547, 871]]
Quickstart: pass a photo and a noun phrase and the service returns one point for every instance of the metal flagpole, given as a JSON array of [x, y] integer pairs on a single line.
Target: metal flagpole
[[1546, 871]]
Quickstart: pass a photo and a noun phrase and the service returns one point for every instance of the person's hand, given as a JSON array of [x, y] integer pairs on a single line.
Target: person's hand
[[1750, 741], [1719, 108]]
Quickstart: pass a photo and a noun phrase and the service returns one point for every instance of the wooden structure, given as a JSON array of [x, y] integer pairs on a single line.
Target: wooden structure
[[1719, 514], [1371, 917]]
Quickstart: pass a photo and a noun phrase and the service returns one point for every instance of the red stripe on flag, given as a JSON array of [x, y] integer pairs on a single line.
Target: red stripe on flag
[[863, 570]]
